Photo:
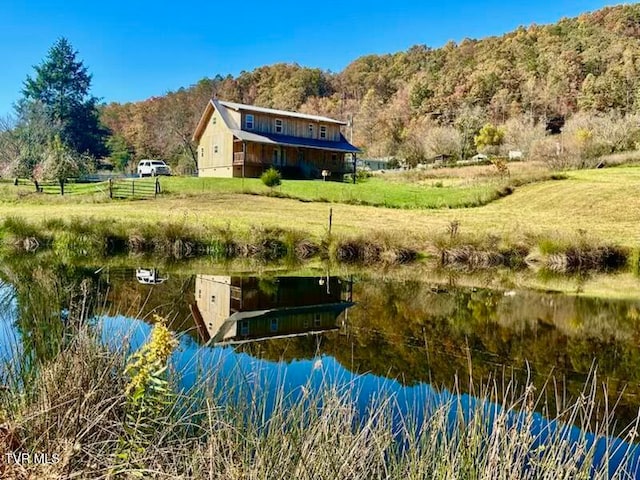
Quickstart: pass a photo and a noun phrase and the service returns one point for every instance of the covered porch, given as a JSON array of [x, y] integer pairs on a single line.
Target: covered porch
[[293, 157]]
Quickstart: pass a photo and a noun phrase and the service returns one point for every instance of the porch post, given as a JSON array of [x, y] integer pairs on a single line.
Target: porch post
[[353, 158], [244, 160]]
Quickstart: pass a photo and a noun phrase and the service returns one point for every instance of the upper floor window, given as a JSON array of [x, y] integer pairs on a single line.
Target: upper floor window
[[214, 119], [323, 131], [215, 149], [248, 122], [278, 124], [202, 151], [311, 130]]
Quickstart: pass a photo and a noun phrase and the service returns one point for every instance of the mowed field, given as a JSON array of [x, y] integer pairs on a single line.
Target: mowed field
[[604, 203]]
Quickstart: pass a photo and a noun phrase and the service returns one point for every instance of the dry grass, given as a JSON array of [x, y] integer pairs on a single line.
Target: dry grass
[[603, 202], [77, 406]]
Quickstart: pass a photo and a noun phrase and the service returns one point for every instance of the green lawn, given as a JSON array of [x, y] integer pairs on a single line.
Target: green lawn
[[373, 191]]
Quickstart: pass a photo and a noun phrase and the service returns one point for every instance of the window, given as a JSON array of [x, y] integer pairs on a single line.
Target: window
[[311, 130], [278, 125], [215, 149], [323, 131], [316, 320], [202, 151], [274, 324], [248, 122], [214, 119], [213, 299], [244, 327]]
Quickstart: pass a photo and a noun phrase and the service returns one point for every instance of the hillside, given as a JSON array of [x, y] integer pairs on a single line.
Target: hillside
[[586, 64]]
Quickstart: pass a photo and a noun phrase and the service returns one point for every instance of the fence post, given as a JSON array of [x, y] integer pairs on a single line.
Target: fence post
[[111, 188], [37, 186], [133, 189], [157, 190]]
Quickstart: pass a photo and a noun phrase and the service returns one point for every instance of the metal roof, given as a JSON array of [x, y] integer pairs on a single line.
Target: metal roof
[[284, 113], [336, 308], [289, 141]]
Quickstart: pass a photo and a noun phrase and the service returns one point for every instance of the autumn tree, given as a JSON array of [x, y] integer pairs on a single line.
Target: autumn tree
[[61, 162], [489, 138]]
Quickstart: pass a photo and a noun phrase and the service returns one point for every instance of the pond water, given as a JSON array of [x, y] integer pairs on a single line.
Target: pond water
[[414, 339]]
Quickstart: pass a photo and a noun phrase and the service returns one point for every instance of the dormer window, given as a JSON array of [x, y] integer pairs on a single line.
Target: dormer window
[[323, 131], [248, 122], [278, 124]]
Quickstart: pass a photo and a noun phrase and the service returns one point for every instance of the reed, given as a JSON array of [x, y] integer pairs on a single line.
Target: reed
[[81, 407]]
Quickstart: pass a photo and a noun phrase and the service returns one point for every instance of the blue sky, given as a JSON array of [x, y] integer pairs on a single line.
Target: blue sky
[[138, 49]]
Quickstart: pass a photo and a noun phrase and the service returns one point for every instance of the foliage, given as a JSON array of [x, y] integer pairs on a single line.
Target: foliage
[[489, 137], [62, 163], [61, 85], [147, 393], [271, 178], [585, 64], [119, 152]]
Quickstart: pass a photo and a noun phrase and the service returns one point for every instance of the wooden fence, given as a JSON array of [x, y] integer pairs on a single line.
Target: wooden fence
[[125, 188], [122, 188]]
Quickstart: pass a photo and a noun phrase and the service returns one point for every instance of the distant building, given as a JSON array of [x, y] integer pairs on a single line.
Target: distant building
[[374, 164], [237, 140]]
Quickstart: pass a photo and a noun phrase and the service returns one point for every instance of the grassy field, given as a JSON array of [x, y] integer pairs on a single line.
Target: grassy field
[[373, 191], [603, 203]]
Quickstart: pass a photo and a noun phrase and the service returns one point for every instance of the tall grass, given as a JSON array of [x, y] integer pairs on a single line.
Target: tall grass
[[80, 403]]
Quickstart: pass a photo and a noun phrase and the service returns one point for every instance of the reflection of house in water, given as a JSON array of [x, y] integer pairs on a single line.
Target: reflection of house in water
[[232, 309]]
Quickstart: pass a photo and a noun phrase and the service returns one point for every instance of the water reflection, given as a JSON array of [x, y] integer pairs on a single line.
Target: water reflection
[[240, 309], [413, 331]]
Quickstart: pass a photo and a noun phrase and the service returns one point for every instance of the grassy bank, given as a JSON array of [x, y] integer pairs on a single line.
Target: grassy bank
[[602, 205], [76, 238], [106, 415]]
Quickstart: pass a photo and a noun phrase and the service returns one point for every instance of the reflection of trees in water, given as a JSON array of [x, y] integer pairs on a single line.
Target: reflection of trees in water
[[170, 299], [52, 300], [416, 332]]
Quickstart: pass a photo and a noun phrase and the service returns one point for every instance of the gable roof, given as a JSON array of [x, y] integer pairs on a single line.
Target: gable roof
[[215, 104], [283, 113]]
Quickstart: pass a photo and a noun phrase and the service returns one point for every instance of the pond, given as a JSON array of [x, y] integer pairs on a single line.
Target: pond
[[417, 340]]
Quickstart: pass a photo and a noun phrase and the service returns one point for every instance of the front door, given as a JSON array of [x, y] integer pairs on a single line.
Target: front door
[[279, 156]]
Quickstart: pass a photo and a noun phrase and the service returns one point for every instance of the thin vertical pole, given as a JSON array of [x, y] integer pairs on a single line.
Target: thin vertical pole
[[111, 188], [330, 219], [133, 189], [244, 160], [353, 157]]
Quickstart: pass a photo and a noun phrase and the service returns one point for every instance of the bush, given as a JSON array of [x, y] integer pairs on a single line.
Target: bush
[[271, 178]]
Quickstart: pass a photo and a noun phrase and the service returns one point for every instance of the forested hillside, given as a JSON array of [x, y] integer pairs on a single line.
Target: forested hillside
[[424, 102]]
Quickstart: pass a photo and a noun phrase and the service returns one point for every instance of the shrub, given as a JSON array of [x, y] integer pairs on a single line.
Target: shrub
[[271, 178]]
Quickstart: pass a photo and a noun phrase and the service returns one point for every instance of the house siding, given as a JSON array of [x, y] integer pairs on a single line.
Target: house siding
[[295, 127], [220, 152], [210, 162]]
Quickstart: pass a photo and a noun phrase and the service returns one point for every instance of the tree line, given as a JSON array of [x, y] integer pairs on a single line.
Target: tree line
[[580, 76]]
